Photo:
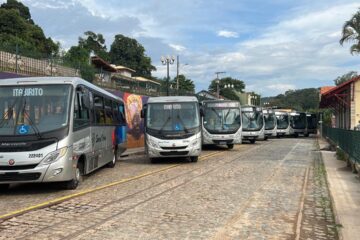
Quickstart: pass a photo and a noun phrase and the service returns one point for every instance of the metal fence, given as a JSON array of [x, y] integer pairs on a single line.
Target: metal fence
[[347, 140]]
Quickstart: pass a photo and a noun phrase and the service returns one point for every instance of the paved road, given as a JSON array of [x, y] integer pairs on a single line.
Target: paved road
[[270, 190]]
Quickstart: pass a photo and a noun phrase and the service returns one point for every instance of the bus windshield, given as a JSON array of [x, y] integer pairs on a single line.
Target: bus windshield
[[252, 119], [298, 121], [35, 109], [219, 119], [282, 121], [173, 116], [270, 121]]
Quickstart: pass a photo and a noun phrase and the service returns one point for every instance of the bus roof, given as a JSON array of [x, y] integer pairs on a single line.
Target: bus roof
[[54, 80], [172, 99], [214, 101]]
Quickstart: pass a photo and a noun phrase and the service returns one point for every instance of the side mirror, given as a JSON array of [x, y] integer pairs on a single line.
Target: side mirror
[[85, 99], [143, 111]]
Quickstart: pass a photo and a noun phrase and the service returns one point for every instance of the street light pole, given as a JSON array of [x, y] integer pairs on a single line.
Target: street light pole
[[167, 61], [218, 82]]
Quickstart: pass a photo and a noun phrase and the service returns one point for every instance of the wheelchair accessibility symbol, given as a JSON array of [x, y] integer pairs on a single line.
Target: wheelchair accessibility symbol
[[23, 129]]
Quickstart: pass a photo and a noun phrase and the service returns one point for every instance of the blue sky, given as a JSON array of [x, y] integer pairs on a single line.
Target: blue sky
[[273, 46]]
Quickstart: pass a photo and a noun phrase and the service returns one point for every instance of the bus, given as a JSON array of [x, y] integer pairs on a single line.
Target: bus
[[311, 119], [221, 123], [270, 122], [253, 123], [298, 123], [56, 129], [283, 124], [172, 127]]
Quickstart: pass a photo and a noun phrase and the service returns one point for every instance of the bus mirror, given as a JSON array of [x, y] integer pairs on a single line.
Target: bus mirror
[[202, 114], [142, 113], [85, 99]]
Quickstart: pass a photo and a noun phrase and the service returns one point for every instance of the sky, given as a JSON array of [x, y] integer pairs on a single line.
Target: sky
[[273, 46]]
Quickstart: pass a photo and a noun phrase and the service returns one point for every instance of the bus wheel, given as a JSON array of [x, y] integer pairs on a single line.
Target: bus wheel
[[296, 135], [153, 160], [278, 136], [252, 141], [113, 162], [4, 187], [306, 135], [194, 159], [230, 146], [266, 138], [74, 183]]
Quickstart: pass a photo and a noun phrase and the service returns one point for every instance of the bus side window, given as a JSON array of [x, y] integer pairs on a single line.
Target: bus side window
[[99, 110], [108, 112], [119, 116], [81, 113]]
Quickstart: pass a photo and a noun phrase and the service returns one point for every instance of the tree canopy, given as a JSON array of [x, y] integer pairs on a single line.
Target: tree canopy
[[229, 93], [130, 53], [351, 33], [18, 29], [341, 79], [301, 100]]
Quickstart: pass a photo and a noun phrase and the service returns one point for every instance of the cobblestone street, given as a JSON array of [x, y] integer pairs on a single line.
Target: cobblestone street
[[275, 189]]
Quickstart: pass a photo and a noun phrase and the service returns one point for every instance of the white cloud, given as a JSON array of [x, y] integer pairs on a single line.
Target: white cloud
[[177, 47], [227, 34], [281, 87]]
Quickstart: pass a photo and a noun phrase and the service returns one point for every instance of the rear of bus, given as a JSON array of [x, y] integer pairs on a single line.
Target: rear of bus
[[172, 127]]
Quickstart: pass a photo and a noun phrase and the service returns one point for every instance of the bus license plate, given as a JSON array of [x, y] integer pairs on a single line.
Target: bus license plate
[[222, 143]]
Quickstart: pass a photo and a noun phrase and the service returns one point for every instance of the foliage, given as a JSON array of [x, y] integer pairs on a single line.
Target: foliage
[[351, 33], [96, 43], [301, 100], [229, 93], [18, 29], [128, 52], [185, 84], [341, 79]]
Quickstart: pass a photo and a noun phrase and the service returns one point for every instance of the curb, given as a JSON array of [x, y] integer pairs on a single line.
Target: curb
[[333, 206]]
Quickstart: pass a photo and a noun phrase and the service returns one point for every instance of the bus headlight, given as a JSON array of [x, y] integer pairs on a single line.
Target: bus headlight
[[194, 143], [54, 156], [153, 143]]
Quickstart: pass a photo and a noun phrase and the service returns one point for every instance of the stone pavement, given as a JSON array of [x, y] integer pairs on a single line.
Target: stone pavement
[[345, 191]]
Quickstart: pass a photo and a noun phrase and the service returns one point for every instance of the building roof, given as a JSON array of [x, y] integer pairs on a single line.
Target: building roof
[[325, 89], [119, 67], [341, 87], [101, 63], [142, 79]]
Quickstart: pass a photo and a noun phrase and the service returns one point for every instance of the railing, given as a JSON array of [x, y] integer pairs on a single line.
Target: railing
[[347, 140]]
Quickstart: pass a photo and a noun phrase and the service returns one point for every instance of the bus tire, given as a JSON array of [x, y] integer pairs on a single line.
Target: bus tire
[[252, 141], [306, 135], [266, 138], [153, 160], [296, 135], [4, 187], [230, 146], [74, 183], [113, 161], [194, 159]]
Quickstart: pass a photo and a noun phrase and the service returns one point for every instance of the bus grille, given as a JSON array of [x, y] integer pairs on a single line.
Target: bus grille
[[19, 167], [173, 148], [174, 153], [19, 176], [223, 141]]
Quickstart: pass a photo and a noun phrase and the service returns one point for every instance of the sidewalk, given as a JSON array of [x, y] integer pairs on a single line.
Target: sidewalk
[[345, 191], [133, 151]]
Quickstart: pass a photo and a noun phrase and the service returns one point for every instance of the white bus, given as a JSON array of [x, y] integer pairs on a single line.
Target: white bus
[[283, 124], [221, 123], [311, 126], [172, 127], [253, 123], [270, 123], [298, 123], [56, 129]]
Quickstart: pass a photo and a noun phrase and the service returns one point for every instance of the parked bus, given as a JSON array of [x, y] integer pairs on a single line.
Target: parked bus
[[270, 122], [253, 123], [283, 124], [297, 123], [221, 123], [56, 129], [311, 124], [172, 127]]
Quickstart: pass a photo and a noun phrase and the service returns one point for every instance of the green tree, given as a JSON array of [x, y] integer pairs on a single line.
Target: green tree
[[346, 77], [185, 84], [79, 57], [130, 53], [16, 29], [229, 93], [96, 43], [301, 99], [351, 33]]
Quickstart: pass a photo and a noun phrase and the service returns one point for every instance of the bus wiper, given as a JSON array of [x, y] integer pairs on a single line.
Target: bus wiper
[[9, 113], [162, 127], [32, 124], [182, 122], [217, 114]]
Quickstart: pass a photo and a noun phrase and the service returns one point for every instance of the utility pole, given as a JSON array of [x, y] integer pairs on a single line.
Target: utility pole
[[177, 74], [218, 82]]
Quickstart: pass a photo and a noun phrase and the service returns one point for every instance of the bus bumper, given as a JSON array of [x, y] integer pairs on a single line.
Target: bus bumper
[[221, 139]]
